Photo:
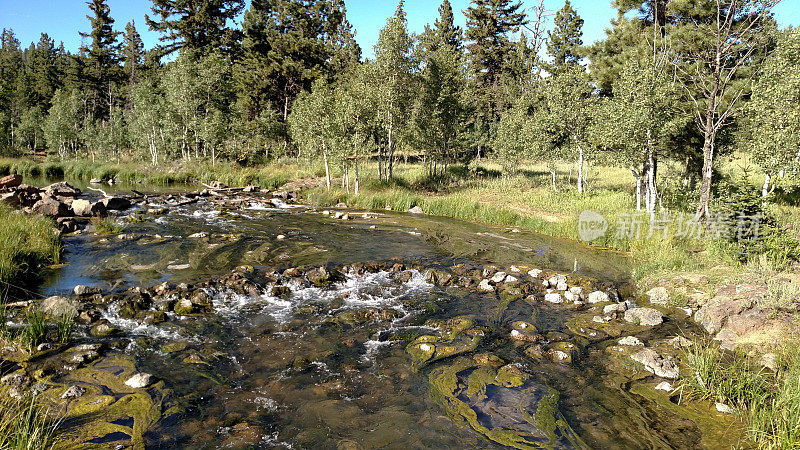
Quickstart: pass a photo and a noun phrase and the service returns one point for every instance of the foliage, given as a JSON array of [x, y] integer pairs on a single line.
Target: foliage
[[25, 424], [25, 243]]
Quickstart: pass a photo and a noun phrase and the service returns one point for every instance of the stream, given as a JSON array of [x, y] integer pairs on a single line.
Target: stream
[[395, 346]]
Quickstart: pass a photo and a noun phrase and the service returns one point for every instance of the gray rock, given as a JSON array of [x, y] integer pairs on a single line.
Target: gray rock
[[644, 316], [18, 380], [59, 306], [656, 364], [680, 342], [615, 308], [62, 189], [52, 207], [73, 391], [84, 291], [485, 286], [139, 380], [598, 297], [631, 341], [554, 298], [416, 210], [499, 277], [116, 203], [658, 296], [85, 208]]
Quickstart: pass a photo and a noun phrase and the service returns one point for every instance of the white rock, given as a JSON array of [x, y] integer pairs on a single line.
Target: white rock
[[485, 286], [510, 279], [658, 296], [644, 316], [570, 297], [554, 298], [597, 297], [598, 319], [425, 348], [280, 237], [515, 333], [416, 210], [534, 273], [725, 409], [664, 386], [198, 235], [499, 277], [139, 380], [562, 286], [515, 269], [631, 341], [616, 307], [576, 290]]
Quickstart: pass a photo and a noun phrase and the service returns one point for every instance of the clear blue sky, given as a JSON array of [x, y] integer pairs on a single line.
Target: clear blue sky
[[63, 19]]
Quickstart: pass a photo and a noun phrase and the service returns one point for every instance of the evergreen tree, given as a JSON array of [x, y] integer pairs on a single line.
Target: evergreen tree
[[564, 41], [343, 49], [10, 67], [102, 59], [489, 24], [447, 32], [286, 46], [45, 71], [133, 53], [200, 25]]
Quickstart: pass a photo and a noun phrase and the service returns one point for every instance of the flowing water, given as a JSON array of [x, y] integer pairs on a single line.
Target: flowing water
[[329, 367]]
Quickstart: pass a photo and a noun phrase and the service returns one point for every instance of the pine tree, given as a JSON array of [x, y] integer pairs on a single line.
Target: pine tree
[[102, 58], [343, 49], [447, 32], [200, 25], [564, 41], [489, 24], [287, 45], [10, 67], [132, 53], [44, 71]]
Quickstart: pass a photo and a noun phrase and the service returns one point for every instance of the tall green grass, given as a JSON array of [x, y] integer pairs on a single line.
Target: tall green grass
[[768, 402], [26, 242], [26, 425]]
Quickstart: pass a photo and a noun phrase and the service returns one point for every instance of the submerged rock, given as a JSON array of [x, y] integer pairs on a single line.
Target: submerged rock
[[504, 405], [656, 364], [644, 316], [73, 391], [139, 380]]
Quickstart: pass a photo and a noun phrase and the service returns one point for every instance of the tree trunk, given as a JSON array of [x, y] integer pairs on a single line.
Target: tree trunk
[[553, 173], [357, 180], [580, 169], [765, 189], [327, 167], [704, 204]]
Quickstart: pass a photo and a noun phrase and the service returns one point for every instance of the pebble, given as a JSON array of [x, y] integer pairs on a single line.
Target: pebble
[[139, 380], [664, 386], [725, 409]]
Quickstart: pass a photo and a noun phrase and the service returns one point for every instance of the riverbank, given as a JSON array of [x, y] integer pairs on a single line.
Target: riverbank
[[27, 243], [744, 306]]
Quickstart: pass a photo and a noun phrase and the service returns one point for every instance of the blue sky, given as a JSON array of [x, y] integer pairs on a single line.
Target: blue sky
[[63, 19]]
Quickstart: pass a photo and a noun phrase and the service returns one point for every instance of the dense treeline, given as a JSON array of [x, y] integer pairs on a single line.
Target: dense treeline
[[679, 81]]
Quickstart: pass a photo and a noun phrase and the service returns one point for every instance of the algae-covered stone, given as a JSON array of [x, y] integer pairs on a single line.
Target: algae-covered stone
[[507, 406], [103, 329], [456, 336]]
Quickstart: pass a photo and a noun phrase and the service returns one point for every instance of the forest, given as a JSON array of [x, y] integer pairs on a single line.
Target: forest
[[681, 82]]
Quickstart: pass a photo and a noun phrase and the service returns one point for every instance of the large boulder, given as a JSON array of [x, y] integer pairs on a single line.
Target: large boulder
[[116, 203], [85, 208], [714, 315], [10, 181], [59, 306], [52, 207], [62, 189], [644, 316]]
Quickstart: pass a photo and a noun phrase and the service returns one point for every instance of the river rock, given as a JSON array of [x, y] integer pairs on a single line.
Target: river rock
[[86, 291], [139, 380], [725, 409], [554, 298], [644, 316], [321, 276], [658, 296], [664, 386], [631, 341], [59, 307], [597, 297], [499, 277], [116, 203], [416, 210], [656, 364], [52, 207], [73, 391], [62, 189], [485, 286], [103, 328], [85, 208], [10, 181], [534, 273], [615, 308]]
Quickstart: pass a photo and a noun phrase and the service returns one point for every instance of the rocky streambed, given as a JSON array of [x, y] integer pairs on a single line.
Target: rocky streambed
[[238, 319]]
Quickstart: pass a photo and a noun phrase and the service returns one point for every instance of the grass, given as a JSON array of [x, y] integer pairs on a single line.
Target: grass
[[26, 425], [106, 226], [64, 325], [26, 243], [35, 331], [271, 177], [768, 402]]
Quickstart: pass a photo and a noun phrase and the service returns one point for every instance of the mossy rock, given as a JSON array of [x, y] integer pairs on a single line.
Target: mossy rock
[[174, 347], [505, 406], [457, 336], [103, 329]]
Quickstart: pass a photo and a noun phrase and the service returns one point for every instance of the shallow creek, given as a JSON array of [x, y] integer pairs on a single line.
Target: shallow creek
[[387, 355]]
